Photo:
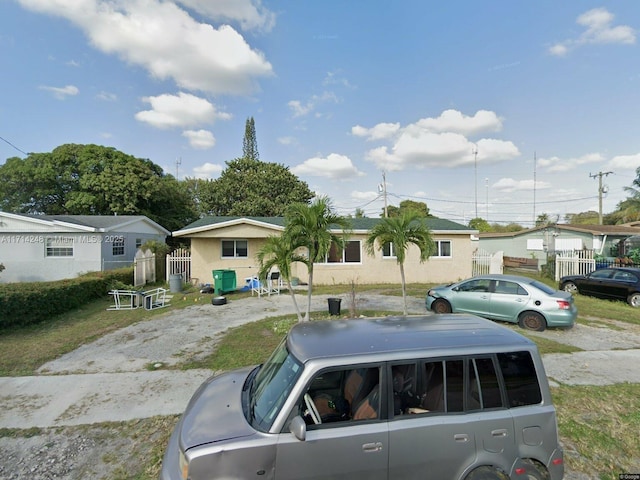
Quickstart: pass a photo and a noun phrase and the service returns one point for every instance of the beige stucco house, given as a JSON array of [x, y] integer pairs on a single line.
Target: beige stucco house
[[231, 243]]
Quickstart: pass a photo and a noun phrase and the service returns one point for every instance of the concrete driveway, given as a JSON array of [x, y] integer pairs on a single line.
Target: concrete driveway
[[113, 378]]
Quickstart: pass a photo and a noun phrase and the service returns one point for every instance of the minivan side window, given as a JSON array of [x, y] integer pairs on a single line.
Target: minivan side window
[[520, 378], [484, 388], [342, 395]]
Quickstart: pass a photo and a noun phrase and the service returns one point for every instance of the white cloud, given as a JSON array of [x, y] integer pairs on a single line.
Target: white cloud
[[599, 30], [61, 93], [625, 162], [334, 166], [509, 185], [378, 132], [250, 14], [162, 38], [438, 142], [182, 110], [457, 122], [286, 140], [107, 96], [557, 164], [200, 139], [208, 170], [300, 109], [364, 196]]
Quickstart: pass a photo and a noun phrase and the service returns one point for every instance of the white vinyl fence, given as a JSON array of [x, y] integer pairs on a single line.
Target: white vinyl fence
[[484, 262], [574, 262], [144, 268], [179, 263]]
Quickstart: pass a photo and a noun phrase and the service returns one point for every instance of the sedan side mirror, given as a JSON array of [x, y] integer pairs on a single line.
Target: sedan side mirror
[[299, 428]]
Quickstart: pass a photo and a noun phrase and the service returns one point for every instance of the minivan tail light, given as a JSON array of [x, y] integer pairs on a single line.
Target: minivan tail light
[[564, 305]]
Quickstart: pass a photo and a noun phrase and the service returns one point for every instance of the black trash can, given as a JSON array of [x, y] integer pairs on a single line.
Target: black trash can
[[334, 306]]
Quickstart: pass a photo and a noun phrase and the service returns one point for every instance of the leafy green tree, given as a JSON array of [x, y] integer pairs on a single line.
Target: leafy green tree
[[250, 187], [583, 218], [510, 227], [93, 180], [479, 224], [250, 143], [542, 220], [409, 228], [419, 207], [279, 252], [312, 226]]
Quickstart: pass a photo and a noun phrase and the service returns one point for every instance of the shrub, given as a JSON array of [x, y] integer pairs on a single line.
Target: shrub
[[27, 303]]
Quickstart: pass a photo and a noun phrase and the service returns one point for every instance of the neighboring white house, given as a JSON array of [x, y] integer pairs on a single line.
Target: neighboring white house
[[54, 247]]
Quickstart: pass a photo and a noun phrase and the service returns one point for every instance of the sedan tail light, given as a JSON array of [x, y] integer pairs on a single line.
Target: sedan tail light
[[564, 304]]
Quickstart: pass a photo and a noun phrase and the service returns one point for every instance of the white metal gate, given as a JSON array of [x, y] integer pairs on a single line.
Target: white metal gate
[[144, 268], [484, 262], [179, 263], [574, 262]]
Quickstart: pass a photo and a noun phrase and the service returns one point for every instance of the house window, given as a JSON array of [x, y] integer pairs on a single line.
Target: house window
[[138, 243], [350, 254], [443, 248], [388, 251], [59, 247], [118, 245], [235, 248], [535, 244]]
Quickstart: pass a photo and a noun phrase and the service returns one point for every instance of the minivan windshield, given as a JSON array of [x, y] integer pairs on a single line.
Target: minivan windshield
[[271, 387]]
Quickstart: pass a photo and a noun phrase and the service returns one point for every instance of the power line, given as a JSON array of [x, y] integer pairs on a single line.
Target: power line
[[9, 143]]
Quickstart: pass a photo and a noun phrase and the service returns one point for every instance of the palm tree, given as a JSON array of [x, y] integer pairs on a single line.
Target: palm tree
[[312, 226], [279, 252], [408, 228]]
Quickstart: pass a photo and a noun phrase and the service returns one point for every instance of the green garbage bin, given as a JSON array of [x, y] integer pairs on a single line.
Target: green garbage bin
[[224, 281]]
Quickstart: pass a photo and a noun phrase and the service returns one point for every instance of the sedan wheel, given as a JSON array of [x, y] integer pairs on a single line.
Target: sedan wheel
[[532, 321], [634, 300], [570, 287], [441, 306]]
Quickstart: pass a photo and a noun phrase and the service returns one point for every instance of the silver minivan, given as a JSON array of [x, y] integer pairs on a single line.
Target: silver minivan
[[424, 397]]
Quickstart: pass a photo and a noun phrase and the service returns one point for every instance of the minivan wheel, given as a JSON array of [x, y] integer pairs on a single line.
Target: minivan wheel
[[570, 287], [634, 299], [487, 473], [441, 306], [532, 321], [536, 471]]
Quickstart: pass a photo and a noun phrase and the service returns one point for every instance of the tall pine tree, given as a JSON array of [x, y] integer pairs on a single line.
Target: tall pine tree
[[250, 144]]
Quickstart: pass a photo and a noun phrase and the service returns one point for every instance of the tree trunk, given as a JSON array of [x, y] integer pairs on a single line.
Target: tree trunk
[[404, 289], [307, 316], [295, 302]]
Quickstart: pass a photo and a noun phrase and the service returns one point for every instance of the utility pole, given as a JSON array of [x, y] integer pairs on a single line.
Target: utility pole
[[601, 190], [384, 192], [535, 160], [475, 180], [178, 163]]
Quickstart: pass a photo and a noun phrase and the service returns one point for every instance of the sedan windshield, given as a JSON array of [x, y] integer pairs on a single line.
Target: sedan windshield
[[272, 386]]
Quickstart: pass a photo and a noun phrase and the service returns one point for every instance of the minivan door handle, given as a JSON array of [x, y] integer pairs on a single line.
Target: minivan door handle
[[372, 447], [461, 437], [501, 432]]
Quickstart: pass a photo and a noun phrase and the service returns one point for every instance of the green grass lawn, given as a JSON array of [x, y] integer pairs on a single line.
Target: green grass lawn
[[598, 425]]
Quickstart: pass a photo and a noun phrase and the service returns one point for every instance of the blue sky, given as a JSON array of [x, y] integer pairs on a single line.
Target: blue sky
[[460, 104]]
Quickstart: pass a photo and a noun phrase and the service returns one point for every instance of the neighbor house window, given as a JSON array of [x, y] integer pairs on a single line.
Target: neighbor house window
[[388, 251], [138, 243], [235, 248], [443, 248], [350, 254], [118, 245], [59, 247]]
